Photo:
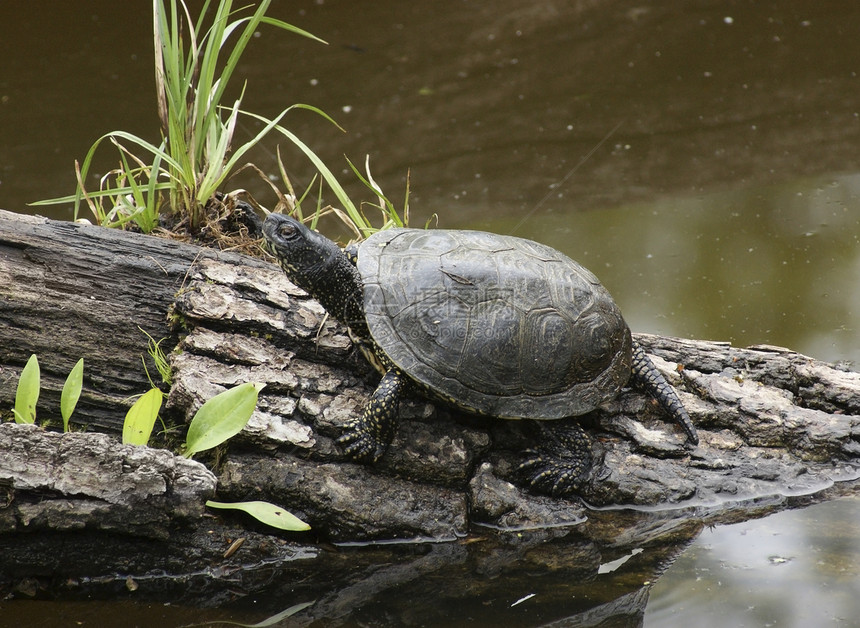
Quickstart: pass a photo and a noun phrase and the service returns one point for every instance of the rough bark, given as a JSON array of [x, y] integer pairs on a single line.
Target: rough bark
[[777, 430], [70, 291], [68, 482]]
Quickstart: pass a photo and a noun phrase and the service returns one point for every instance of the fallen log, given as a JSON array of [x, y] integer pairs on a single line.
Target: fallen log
[[775, 427], [70, 291], [771, 422]]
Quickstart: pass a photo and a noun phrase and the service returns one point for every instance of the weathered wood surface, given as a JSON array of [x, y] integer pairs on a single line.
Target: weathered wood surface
[[777, 428], [68, 482], [70, 291]]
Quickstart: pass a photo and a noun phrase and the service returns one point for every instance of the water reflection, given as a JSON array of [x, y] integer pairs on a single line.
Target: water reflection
[[791, 569], [794, 568]]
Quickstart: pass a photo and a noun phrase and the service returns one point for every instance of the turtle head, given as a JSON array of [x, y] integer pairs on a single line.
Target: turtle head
[[305, 255], [315, 264]]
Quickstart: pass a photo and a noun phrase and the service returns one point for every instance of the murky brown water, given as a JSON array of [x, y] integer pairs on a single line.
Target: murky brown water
[[702, 158]]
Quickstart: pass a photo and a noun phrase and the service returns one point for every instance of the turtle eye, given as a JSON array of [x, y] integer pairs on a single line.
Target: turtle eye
[[287, 230]]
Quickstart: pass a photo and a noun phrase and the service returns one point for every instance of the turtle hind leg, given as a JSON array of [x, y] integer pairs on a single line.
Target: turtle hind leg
[[649, 379], [562, 463], [367, 437]]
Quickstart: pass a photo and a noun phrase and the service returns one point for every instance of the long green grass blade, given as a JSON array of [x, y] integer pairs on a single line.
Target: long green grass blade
[[158, 30], [218, 144], [148, 146], [149, 216], [331, 180], [208, 92], [100, 194], [213, 182], [247, 33], [136, 192], [392, 218], [84, 171], [293, 29]]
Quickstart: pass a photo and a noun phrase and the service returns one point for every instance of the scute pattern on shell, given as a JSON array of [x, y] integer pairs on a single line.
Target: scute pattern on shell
[[497, 325]]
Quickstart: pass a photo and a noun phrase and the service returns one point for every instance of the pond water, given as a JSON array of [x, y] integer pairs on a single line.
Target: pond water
[[701, 158], [794, 568]]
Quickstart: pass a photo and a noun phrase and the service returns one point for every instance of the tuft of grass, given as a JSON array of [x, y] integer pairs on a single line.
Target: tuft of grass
[[177, 183], [194, 63], [156, 354]]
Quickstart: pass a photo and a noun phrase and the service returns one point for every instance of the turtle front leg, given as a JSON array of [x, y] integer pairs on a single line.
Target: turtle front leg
[[367, 437]]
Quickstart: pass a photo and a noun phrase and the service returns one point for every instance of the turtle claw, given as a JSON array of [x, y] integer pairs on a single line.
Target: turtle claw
[[553, 476], [562, 464], [359, 445]]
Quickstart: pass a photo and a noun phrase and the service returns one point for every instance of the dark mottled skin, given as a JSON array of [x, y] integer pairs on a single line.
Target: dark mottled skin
[[367, 437], [563, 460], [318, 266], [562, 463]]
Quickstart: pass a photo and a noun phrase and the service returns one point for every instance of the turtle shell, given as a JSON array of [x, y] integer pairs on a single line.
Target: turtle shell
[[494, 324]]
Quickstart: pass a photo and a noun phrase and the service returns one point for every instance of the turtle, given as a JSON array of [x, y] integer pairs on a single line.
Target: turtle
[[493, 325]]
